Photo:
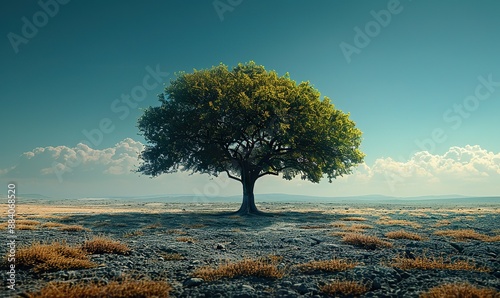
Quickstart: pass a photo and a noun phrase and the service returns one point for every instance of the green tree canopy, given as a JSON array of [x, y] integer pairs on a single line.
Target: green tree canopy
[[247, 122]]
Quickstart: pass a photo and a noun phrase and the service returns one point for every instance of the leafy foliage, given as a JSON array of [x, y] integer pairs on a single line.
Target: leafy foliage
[[247, 122]]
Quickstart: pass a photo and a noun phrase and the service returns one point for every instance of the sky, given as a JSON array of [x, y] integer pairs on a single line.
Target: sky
[[421, 79]]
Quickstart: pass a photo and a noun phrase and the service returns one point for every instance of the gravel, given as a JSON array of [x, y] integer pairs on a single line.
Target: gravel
[[297, 232]]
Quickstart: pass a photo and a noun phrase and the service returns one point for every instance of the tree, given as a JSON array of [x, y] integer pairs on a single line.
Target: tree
[[248, 123]]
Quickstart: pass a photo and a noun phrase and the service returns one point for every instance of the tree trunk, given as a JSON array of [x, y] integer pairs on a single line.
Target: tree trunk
[[248, 205]]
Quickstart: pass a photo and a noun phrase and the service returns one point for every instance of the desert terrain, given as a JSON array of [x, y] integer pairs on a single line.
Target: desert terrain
[[300, 249]]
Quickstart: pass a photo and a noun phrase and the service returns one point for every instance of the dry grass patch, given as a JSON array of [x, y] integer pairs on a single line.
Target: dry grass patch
[[467, 234], [133, 233], [365, 241], [265, 268], [313, 227], [185, 239], [344, 287], [338, 234], [50, 257], [357, 228], [172, 256], [429, 263], [105, 245], [177, 232], [441, 223], [402, 234], [127, 288], [464, 290], [25, 227], [338, 224], [418, 214], [73, 228], [399, 222], [353, 218], [22, 224], [274, 259], [27, 222], [65, 217], [384, 218], [361, 226], [493, 239], [51, 224], [327, 265], [153, 226], [462, 234], [195, 226]]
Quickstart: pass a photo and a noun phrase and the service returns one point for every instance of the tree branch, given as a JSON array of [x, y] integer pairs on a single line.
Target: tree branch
[[232, 177], [268, 173]]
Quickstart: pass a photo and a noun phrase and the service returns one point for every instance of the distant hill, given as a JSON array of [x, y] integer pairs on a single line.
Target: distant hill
[[30, 196], [284, 198]]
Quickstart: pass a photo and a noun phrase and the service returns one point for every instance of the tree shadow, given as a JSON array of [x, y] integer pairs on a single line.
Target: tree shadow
[[127, 221]]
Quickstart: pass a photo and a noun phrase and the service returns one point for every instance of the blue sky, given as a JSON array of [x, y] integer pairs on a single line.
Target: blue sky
[[416, 73]]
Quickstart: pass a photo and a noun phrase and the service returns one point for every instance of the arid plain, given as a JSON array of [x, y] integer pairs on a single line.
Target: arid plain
[[199, 249]]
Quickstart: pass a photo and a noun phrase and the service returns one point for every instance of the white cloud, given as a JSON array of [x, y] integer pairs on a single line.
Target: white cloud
[[458, 163], [458, 170], [468, 170], [77, 161]]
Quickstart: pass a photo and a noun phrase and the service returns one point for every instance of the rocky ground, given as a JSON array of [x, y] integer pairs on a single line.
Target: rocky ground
[[298, 233]]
